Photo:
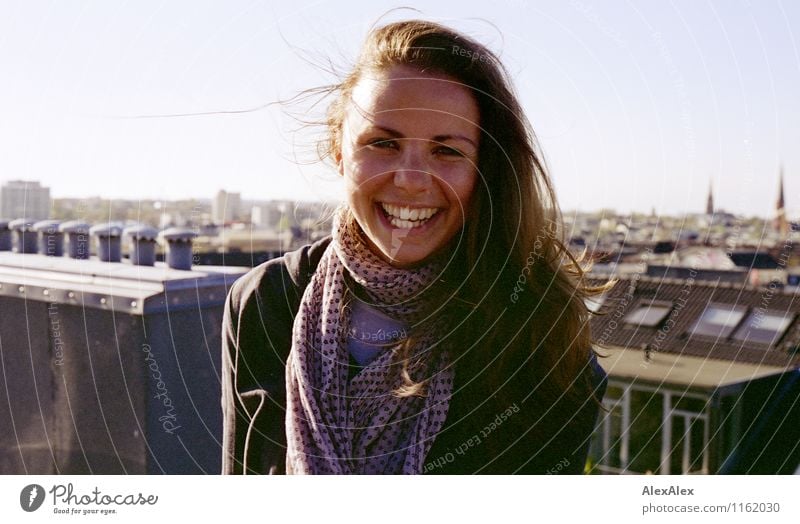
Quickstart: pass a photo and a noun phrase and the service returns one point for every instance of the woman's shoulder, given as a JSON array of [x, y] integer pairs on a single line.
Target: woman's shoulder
[[259, 313], [284, 276], [599, 377]]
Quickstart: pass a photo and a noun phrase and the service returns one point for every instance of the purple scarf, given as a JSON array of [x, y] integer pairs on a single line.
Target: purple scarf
[[360, 426]]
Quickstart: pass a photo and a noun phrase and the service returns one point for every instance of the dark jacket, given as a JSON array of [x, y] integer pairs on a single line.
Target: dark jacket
[[479, 436]]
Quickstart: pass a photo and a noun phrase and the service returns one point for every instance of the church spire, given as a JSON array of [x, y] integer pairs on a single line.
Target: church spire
[[781, 225], [710, 201]]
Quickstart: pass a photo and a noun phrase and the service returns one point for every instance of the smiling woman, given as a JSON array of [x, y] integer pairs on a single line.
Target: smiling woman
[[394, 346]]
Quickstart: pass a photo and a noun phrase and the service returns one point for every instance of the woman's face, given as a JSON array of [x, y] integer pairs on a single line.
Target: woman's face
[[409, 155]]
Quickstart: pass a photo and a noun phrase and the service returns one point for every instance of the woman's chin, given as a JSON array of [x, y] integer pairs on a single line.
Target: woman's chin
[[404, 257]]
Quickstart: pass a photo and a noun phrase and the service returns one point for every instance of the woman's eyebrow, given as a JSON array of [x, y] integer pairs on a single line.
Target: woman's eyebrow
[[389, 131], [444, 138]]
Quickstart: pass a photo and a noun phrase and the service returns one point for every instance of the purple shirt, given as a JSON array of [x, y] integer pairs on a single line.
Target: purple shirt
[[371, 331]]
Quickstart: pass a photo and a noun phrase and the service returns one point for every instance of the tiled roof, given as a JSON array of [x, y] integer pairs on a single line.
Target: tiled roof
[[689, 299]]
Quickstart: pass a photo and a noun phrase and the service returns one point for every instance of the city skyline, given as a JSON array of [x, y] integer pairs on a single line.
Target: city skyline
[[637, 106], [218, 204]]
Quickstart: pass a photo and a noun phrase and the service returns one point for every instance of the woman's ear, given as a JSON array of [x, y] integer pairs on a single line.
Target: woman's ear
[[337, 157]]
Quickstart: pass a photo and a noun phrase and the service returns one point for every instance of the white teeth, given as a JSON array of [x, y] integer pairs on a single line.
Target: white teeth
[[406, 217], [402, 224]]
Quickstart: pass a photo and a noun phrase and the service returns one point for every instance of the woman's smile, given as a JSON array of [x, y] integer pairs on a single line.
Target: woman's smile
[[412, 219]]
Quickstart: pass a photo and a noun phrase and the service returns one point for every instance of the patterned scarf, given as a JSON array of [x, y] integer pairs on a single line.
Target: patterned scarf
[[359, 426]]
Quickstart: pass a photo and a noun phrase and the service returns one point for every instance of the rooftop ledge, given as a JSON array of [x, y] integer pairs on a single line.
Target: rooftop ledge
[[665, 369], [113, 285]]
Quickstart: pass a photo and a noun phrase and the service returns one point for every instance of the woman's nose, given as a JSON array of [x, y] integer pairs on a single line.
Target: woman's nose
[[412, 173]]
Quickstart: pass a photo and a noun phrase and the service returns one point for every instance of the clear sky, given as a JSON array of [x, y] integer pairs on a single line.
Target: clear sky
[[638, 105]]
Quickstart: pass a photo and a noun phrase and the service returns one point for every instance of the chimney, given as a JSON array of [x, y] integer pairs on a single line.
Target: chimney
[[51, 239], [142, 244], [179, 247], [108, 241], [77, 238], [26, 236]]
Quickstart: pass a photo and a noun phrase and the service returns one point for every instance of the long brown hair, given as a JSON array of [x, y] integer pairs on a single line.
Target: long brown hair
[[514, 286]]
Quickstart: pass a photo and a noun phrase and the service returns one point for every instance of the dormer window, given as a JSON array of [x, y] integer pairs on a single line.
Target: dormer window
[[764, 326], [718, 320], [648, 314]]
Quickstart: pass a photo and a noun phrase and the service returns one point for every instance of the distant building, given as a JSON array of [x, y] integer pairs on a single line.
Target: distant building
[[226, 207], [24, 199], [267, 214]]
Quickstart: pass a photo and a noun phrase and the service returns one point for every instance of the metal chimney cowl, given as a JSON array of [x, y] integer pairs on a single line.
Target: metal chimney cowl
[[179, 247], [6, 243], [26, 236], [77, 233], [51, 239], [109, 244], [142, 244]]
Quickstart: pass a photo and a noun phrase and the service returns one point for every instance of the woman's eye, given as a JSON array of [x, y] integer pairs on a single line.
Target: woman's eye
[[448, 151], [382, 143]]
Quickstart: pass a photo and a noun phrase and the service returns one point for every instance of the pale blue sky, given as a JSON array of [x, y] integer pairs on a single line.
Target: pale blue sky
[[637, 104]]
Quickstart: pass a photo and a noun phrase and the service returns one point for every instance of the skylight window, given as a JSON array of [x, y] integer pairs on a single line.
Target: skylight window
[[718, 320], [765, 327], [649, 314]]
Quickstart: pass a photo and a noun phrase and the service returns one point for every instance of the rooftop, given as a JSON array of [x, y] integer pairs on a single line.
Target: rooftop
[[710, 320]]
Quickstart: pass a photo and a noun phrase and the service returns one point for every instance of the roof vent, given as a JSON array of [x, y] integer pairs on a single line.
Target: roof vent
[[51, 239], [108, 241], [142, 244], [26, 236], [179, 247], [77, 238]]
